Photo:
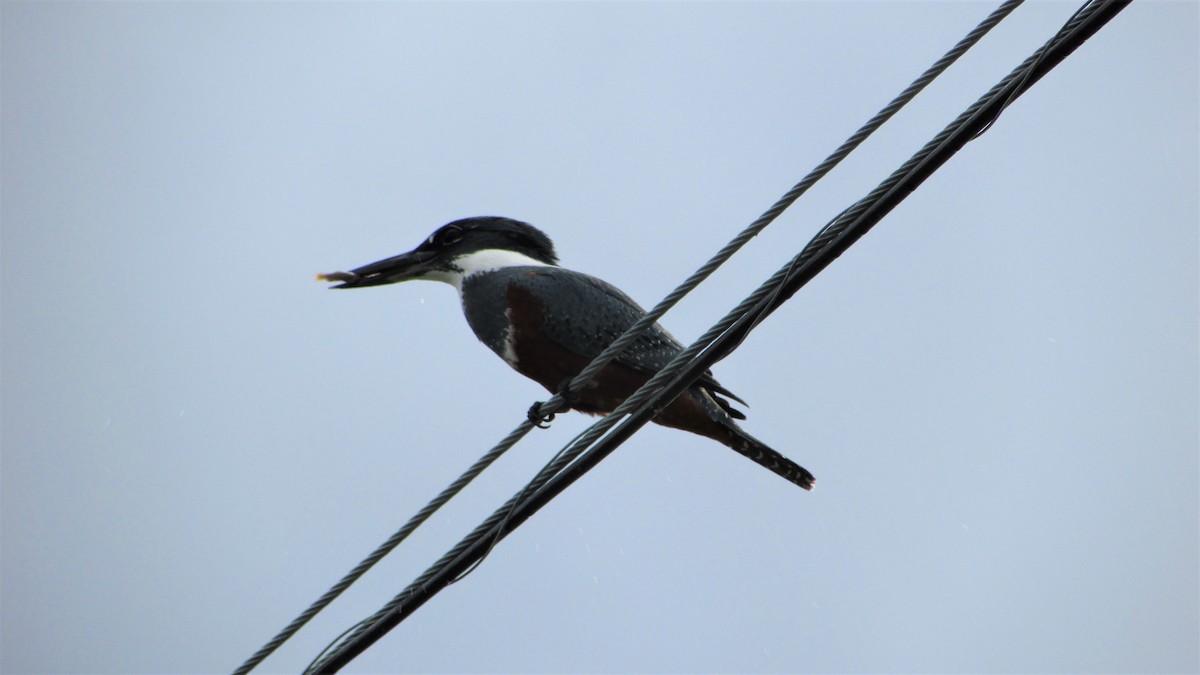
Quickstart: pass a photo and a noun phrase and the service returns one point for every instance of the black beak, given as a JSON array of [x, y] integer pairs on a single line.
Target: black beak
[[393, 270]]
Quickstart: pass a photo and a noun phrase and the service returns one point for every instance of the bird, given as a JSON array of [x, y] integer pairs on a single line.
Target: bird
[[548, 322]]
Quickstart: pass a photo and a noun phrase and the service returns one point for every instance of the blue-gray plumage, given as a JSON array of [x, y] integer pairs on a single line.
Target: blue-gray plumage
[[579, 312], [548, 323]]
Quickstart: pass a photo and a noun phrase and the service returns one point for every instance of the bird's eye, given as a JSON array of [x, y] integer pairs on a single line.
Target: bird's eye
[[448, 236]]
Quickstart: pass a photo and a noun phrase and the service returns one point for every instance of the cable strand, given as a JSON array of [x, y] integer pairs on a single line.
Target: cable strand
[[826, 247], [556, 402]]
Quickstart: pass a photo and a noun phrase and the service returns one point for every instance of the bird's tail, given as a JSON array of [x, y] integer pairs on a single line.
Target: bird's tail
[[699, 412], [762, 454]]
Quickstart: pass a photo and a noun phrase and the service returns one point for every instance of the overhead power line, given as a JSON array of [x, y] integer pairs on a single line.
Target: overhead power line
[[689, 364], [717, 343]]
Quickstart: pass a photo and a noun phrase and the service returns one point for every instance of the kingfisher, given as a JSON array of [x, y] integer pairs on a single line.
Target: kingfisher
[[549, 322]]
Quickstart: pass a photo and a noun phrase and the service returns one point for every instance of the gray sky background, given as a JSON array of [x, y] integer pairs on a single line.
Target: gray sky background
[[997, 388]]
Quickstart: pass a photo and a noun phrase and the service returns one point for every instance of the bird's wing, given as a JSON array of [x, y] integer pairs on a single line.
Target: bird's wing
[[585, 314]]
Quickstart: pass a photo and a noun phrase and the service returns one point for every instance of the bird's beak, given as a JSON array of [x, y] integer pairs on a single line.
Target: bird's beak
[[403, 267]]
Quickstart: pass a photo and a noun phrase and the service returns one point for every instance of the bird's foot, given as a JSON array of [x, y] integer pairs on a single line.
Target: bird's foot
[[542, 420], [537, 418]]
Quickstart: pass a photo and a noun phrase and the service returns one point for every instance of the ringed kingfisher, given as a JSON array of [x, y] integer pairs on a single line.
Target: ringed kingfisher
[[548, 323]]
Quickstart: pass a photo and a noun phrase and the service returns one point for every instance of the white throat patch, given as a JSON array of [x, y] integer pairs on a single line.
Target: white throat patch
[[478, 262]]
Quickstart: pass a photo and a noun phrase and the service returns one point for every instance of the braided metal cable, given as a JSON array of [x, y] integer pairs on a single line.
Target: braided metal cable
[[826, 246], [556, 402], [775, 288], [753, 229], [386, 547], [771, 286]]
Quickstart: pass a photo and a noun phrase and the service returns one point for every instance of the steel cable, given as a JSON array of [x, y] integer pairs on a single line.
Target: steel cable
[[656, 394], [555, 403]]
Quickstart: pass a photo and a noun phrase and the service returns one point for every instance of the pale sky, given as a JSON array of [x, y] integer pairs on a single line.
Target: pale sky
[[997, 389]]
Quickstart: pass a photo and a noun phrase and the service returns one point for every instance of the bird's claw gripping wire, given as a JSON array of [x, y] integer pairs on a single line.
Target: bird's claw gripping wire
[[537, 418], [541, 419]]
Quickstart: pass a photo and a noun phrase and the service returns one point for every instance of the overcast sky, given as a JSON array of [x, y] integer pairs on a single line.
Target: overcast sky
[[997, 388]]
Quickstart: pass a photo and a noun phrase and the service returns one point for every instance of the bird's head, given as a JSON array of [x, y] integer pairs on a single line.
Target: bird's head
[[455, 251]]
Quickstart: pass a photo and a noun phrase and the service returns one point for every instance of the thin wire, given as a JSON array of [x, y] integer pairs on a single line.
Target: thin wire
[[829, 243], [547, 471], [772, 288], [544, 474], [386, 547], [753, 229], [329, 647], [1089, 7], [556, 402]]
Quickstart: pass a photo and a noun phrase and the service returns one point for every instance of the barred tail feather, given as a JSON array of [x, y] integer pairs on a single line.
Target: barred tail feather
[[763, 455]]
